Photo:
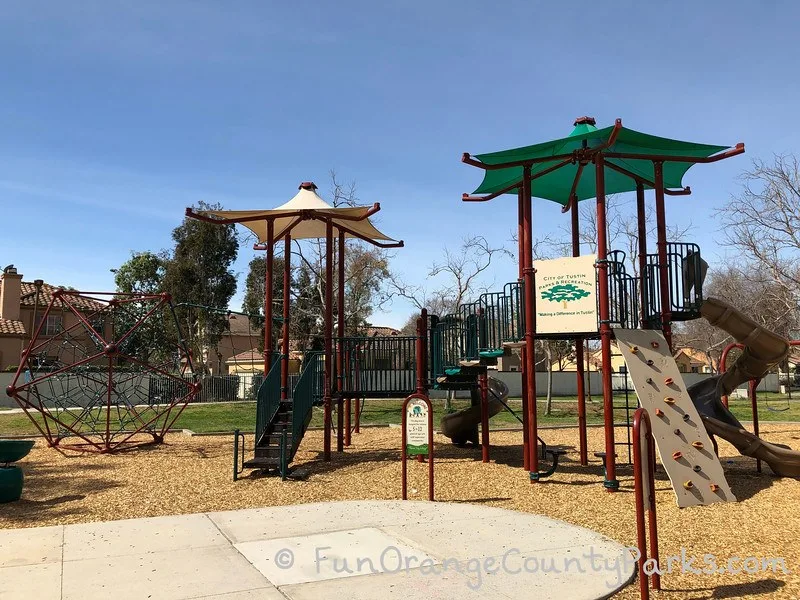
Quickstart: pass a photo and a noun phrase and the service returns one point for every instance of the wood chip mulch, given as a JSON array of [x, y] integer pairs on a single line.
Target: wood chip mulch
[[194, 474]]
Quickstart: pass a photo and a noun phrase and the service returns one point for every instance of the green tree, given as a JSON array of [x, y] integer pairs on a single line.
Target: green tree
[[253, 302], [199, 272], [306, 324], [142, 272]]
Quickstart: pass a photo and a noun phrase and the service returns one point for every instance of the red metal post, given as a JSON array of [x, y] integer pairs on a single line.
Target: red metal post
[[663, 265], [287, 271], [526, 454], [430, 449], [652, 520], [340, 349], [722, 360], [357, 386], [403, 453], [348, 414], [268, 296], [751, 388], [328, 325], [109, 391], [579, 373], [530, 323], [484, 388], [641, 224], [644, 475], [611, 483]]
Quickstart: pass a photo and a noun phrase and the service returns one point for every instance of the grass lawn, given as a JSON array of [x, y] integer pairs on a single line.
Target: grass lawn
[[225, 417]]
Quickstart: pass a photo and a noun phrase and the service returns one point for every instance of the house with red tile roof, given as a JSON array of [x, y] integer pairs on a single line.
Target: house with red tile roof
[[22, 308]]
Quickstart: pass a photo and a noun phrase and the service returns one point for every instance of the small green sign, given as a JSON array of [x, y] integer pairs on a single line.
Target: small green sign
[[412, 450], [417, 439]]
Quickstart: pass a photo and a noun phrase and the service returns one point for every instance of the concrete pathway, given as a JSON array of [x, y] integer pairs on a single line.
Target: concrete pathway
[[347, 550]]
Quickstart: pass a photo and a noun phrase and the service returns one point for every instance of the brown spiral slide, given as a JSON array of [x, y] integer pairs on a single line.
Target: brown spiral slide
[[462, 426], [762, 351]]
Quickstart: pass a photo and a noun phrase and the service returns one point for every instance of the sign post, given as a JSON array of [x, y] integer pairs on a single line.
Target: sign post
[[417, 436]]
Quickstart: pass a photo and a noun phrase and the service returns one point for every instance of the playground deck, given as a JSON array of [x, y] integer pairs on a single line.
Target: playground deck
[[191, 475]]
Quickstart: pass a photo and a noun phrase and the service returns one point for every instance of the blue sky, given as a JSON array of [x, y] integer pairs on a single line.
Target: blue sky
[[117, 115]]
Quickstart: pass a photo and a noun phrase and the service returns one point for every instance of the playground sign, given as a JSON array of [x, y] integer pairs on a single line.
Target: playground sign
[[417, 430], [417, 439], [566, 295]]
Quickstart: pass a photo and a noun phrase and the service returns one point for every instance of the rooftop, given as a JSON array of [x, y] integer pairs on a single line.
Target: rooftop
[[10, 327], [28, 297]]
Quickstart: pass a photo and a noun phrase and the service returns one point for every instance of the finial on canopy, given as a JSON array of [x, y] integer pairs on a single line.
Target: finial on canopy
[[584, 121], [307, 185]]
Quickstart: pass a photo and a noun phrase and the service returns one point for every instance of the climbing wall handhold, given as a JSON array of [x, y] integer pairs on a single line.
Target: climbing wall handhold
[[687, 417], [669, 400], [659, 412], [688, 485], [677, 432], [634, 349], [714, 487], [654, 344], [668, 381], [677, 455], [650, 362], [698, 445], [649, 380], [697, 468]]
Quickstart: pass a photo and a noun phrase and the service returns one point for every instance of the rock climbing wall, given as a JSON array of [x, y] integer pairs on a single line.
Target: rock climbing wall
[[682, 441]]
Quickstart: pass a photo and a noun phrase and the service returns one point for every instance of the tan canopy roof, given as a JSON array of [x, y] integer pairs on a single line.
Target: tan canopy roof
[[305, 216]]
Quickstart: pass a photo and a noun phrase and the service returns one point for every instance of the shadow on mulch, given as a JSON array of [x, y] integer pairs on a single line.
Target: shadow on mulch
[[57, 490], [735, 590], [479, 500]]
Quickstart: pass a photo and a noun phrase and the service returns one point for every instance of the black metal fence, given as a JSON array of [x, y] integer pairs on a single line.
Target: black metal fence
[[685, 273], [213, 388], [378, 366], [622, 293]]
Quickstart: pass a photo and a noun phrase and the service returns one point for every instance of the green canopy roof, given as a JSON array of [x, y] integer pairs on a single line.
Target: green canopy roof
[[557, 184]]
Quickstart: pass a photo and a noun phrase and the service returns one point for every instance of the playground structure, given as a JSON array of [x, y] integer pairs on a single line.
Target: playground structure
[[448, 352], [460, 348], [283, 414], [117, 374]]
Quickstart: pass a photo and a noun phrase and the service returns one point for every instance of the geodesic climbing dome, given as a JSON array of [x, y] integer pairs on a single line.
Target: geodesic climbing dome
[[105, 371]]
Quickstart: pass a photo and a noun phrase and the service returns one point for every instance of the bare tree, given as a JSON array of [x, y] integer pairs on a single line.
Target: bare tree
[[751, 290], [458, 275], [622, 231], [762, 222]]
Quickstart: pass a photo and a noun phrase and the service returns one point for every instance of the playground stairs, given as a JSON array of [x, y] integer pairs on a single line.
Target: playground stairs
[[277, 436], [282, 424]]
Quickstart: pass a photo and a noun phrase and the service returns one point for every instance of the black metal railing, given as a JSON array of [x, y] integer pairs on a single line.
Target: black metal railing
[[268, 400], [379, 366], [622, 288], [501, 316], [447, 346], [470, 316], [685, 274]]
